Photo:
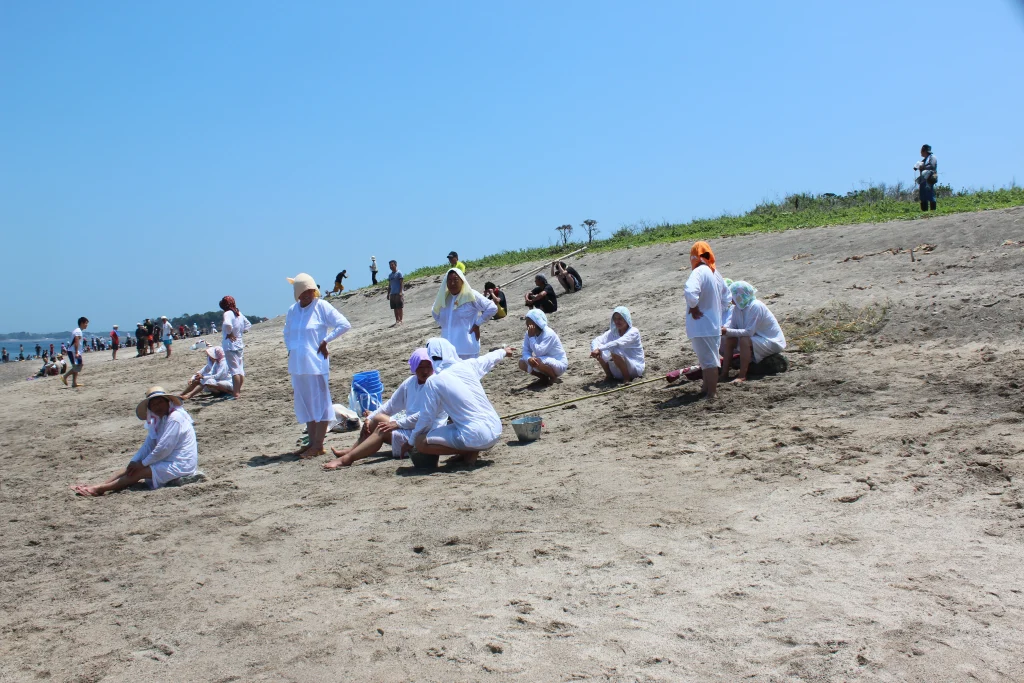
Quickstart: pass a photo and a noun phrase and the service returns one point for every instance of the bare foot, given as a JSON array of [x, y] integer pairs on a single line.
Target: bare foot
[[339, 452], [337, 463], [64, 379], [739, 380], [464, 459], [83, 490], [312, 453]]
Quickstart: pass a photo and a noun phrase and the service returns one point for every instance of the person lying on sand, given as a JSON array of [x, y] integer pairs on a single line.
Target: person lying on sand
[[752, 327], [455, 389], [620, 350], [543, 354], [214, 378], [707, 299], [393, 422], [168, 453]]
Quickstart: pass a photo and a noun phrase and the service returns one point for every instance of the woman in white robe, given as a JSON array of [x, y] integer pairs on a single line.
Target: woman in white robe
[[707, 300], [169, 452], [455, 389], [309, 326], [620, 351], [214, 378], [232, 327], [460, 311], [394, 421], [543, 354], [753, 328]]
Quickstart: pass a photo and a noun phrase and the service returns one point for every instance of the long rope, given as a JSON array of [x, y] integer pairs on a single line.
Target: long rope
[[631, 385]]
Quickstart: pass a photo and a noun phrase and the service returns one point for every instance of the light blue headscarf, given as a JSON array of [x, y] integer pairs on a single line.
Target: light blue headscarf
[[439, 347], [624, 312], [538, 317], [743, 293]]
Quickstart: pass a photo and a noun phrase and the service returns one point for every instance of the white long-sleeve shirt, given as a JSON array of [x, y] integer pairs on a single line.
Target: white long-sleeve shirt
[[409, 397], [628, 345], [456, 323], [755, 319], [215, 371], [304, 330], [456, 390], [546, 344], [172, 441], [236, 325], [705, 289]]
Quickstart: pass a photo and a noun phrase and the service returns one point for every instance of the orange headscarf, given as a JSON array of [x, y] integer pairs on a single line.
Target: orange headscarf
[[702, 252]]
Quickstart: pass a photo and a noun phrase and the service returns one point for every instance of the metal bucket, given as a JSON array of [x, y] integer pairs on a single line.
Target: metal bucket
[[527, 428], [422, 460]]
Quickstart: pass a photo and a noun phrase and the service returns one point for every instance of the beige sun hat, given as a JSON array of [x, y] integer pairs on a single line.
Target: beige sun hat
[[303, 282], [151, 393]]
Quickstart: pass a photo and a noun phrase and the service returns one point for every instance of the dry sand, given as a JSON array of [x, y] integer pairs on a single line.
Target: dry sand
[[858, 518]]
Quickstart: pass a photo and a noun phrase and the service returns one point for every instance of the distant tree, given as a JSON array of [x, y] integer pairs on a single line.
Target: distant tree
[[590, 225], [566, 232]]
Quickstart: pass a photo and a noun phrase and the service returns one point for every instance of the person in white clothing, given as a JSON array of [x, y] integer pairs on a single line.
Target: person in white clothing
[[620, 350], [455, 390], [169, 452], [394, 421], [707, 299], [460, 311], [214, 378], [543, 354], [166, 335], [233, 326], [195, 329], [310, 324], [753, 328]]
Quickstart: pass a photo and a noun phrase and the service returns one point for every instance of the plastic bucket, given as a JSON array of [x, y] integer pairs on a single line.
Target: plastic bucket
[[422, 460], [367, 392], [527, 428]]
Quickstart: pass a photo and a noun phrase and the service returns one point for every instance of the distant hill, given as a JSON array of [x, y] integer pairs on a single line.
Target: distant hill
[[31, 336]]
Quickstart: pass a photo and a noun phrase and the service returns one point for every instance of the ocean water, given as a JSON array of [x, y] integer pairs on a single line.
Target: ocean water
[[30, 345]]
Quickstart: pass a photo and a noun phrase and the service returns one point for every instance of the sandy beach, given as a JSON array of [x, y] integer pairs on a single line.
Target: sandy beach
[[857, 518]]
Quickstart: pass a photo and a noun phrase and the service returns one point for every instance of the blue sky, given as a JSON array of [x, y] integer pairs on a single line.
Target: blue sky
[[202, 149]]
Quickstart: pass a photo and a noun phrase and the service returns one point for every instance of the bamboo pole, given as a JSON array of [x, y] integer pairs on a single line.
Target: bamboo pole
[[584, 397], [531, 272]]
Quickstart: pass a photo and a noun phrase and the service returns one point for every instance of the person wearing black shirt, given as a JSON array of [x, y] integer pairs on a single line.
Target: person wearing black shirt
[[494, 293], [567, 276], [542, 296]]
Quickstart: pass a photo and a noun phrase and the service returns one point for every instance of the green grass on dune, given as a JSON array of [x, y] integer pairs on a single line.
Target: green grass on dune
[[875, 204]]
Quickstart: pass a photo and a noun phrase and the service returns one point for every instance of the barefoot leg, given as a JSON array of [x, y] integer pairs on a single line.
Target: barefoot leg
[[746, 355], [364, 449]]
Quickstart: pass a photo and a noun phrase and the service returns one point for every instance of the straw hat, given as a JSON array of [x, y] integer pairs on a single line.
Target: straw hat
[[151, 393], [301, 283]]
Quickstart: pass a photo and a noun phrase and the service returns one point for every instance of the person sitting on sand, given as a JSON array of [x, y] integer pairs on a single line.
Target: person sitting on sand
[[620, 351], [543, 354], [394, 421], [214, 378], [460, 311], [455, 390], [753, 327], [542, 296], [494, 293], [309, 326], [707, 298], [168, 453], [567, 276]]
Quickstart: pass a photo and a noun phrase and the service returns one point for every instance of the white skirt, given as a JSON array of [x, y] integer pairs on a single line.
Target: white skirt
[[169, 470], [235, 362], [557, 364], [635, 369], [312, 398]]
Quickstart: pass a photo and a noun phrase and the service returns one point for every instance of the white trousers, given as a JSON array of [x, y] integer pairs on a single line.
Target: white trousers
[[312, 398]]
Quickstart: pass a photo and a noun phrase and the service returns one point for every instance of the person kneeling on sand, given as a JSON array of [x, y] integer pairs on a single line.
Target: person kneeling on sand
[[543, 354], [394, 421], [620, 350], [168, 453], [753, 327], [214, 378], [455, 389]]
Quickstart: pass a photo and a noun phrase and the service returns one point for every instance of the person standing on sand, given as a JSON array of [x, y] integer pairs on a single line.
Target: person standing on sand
[[373, 270], [233, 326], [167, 335], [460, 311], [927, 177], [115, 342], [394, 421], [707, 298], [77, 350], [454, 262], [339, 286], [309, 326], [168, 453], [620, 350], [454, 389], [396, 291], [195, 329]]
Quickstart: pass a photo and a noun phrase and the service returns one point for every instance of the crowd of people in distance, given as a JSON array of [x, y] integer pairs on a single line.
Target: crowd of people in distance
[[441, 408]]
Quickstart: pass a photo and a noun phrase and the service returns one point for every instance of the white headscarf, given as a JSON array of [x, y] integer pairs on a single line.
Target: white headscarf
[[439, 347], [467, 295], [538, 317]]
